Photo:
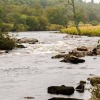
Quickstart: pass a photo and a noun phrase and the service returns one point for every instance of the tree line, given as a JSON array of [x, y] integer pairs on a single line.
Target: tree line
[[41, 15]]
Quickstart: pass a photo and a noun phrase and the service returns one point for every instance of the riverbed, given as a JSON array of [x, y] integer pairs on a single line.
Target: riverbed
[[28, 72]]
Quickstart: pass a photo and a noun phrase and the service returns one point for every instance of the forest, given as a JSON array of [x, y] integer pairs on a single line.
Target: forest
[[42, 15]]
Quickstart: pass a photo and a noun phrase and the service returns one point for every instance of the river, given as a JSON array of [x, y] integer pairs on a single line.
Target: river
[[30, 71]]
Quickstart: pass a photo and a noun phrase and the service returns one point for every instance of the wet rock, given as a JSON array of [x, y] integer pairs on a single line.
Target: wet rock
[[82, 48], [27, 40], [29, 98], [94, 81], [98, 46], [2, 51], [78, 53], [20, 46], [64, 99], [73, 60], [98, 51], [80, 88], [90, 53], [82, 82], [6, 51], [59, 56], [95, 51], [65, 90], [69, 36]]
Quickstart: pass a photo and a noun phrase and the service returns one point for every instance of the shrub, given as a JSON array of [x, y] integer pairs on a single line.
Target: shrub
[[6, 42], [5, 27], [20, 27], [94, 23], [55, 27]]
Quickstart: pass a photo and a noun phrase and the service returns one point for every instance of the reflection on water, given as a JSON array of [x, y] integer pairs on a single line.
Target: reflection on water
[[28, 72]]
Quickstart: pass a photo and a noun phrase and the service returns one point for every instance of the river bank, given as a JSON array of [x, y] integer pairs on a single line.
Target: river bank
[[86, 30]]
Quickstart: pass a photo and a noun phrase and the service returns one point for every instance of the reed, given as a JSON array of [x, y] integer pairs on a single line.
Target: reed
[[85, 30]]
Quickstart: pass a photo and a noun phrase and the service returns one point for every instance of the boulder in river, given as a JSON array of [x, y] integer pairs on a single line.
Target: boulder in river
[[64, 99], [27, 40], [82, 48], [95, 51], [78, 53], [20, 46], [73, 60], [81, 87], [65, 90]]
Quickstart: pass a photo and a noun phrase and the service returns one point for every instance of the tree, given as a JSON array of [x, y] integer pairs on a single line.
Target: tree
[[72, 4], [33, 23]]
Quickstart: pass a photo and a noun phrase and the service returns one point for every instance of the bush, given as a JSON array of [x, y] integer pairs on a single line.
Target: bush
[[6, 42], [55, 27], [20, 27], [94, 23], [5, 27]]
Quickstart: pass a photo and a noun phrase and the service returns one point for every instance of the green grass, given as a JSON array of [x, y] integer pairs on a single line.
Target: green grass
[[85, 30]]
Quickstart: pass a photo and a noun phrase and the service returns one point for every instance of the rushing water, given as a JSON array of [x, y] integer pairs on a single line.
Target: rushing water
[[28, 72]]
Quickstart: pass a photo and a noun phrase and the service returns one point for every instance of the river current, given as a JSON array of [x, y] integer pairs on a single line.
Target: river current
[[30, 71]]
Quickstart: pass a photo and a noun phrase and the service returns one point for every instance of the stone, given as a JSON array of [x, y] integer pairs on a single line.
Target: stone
[[29, 98], [64, 90], [64, 99], [81, 87], [78, 53], [73, 60], [82, 48], [27, 40], [20, 46], [6, 51]]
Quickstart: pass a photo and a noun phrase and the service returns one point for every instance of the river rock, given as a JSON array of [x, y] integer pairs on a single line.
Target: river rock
[[27, 40], [80, 88], [94, 80], [64, 99], [29, 98], [78, 53], [73, 60], [98, 49], [6, 51], [2, 51], [20, 46], [82, 48], [65, 90]]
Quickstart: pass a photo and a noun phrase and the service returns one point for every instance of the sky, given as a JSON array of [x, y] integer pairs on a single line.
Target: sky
[[96, 1]]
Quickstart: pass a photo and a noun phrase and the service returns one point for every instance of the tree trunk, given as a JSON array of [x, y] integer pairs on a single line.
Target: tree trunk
[[75, 17]]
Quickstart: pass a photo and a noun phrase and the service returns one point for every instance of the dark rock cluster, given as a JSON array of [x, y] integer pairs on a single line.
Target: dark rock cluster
[[66, 90], [74, 56]]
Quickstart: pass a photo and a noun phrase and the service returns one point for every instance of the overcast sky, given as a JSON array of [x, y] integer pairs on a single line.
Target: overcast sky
[[94, 1]]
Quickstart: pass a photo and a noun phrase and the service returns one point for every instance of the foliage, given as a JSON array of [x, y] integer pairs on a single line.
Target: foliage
[[55, 27], [6, 42], [94, 23], [30, 15]]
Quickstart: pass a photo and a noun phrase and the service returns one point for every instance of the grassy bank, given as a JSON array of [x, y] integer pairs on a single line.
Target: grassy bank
[[85, 30]]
